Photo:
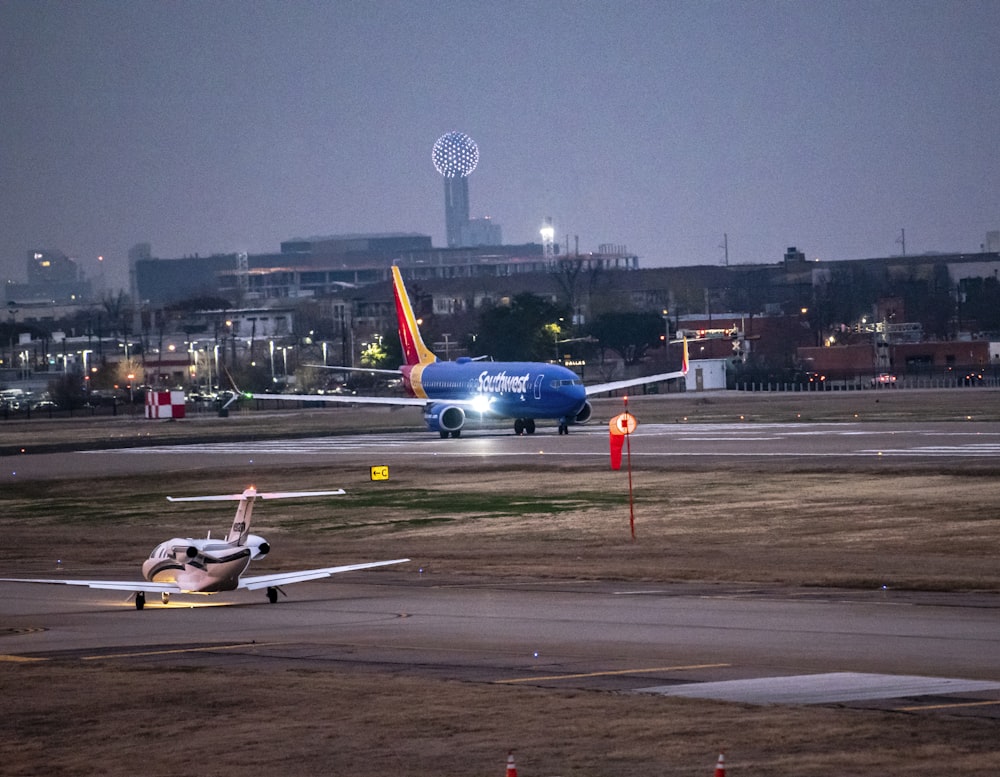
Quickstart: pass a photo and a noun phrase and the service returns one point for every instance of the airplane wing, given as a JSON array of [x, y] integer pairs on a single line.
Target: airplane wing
[[303, 575], [600, 388], [368, 370], [346, 399], [105, 585]]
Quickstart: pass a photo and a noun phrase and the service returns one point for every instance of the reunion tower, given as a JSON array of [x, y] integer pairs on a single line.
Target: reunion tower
[[455, 156]]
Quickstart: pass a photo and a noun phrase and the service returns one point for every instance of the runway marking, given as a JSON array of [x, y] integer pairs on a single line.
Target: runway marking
[[612, 673], [172, 651], [19, 659], [921, 708], [714, 435], [827, 688]]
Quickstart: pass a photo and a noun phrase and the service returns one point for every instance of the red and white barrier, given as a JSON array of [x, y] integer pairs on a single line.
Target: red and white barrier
[[164, 404]]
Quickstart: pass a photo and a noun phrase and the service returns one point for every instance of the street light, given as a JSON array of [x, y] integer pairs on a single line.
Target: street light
[[12, 311]]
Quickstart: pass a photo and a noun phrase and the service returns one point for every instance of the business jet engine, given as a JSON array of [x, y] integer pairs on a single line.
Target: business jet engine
[[258, 546], [445, 419]]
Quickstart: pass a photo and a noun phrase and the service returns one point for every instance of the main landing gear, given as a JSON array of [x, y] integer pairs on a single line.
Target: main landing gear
[[140, 598], [272, 594], [524, 426]]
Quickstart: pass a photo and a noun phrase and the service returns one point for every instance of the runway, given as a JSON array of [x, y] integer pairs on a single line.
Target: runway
[[922, 653], [652, 443], [885, 650]]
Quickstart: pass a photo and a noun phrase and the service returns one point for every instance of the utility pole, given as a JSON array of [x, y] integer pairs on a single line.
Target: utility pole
[[902, 240], [725, 249]]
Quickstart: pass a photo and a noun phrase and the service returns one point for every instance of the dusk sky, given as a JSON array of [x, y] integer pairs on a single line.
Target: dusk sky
[[214, 127]]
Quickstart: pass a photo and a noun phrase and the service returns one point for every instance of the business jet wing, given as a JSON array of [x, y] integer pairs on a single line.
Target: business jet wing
[[287, 578], [105, 585]]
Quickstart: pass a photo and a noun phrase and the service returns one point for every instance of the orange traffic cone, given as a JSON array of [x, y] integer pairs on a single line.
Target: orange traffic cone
[[720, 766], [511, 768]]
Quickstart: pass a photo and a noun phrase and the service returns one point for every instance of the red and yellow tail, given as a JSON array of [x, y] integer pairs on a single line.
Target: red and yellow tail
[[414, 350]]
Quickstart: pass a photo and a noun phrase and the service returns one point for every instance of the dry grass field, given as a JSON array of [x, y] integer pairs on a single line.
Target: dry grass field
[[855, 525]]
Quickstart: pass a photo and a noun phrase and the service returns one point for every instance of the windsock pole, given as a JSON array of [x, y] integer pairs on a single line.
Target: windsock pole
[[621, 426], [628, 454]]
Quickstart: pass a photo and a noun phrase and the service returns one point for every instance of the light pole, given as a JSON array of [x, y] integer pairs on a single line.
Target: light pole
[[13, 311], [666, 335]]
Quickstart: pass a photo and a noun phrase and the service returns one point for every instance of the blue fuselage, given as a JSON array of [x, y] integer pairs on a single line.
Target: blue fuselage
[[510, 389]]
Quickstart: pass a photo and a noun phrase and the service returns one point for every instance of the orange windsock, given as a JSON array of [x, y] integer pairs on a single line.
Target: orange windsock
[[511, 767], [616, 441], [621, 425]]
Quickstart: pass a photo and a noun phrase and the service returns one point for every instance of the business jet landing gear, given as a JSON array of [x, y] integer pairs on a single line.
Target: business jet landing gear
[[140, 599], [272, 595], [524, 426]]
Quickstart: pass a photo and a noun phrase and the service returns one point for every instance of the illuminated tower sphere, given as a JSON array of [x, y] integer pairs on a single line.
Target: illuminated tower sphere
[[455, 156]]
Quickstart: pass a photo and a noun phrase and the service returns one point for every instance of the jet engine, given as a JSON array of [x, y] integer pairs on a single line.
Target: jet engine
[[584, 415], [258, 546], [446, 419]]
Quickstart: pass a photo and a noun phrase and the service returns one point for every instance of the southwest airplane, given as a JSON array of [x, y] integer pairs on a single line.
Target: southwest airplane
[[190, 566], [448, 390]]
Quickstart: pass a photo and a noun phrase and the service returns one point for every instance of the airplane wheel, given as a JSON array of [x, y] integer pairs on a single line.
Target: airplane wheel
[[518, 427], [165, 597], [456, 434], [272, 595], [444, 435], [563, 428], [529, 426], [140, 600]]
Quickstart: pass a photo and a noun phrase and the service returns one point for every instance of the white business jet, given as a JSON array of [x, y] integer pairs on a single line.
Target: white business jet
[[190, 566]]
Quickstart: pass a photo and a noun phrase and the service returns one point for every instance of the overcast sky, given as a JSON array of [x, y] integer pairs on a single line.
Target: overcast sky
[[221, 126]]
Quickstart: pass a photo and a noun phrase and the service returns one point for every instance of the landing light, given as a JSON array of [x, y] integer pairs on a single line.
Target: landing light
[[481, 404]]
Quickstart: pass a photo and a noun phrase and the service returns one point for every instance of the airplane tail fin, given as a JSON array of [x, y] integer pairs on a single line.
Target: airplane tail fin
[[414, 350], [241, 523]]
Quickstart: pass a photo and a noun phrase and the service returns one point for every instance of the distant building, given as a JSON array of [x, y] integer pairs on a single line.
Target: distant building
[[53, 278], [480, 232]]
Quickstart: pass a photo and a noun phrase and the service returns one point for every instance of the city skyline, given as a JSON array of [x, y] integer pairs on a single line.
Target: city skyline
[[660, 126]]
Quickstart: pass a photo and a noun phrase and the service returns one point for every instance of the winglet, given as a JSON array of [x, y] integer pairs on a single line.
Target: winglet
[[414, 350]]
